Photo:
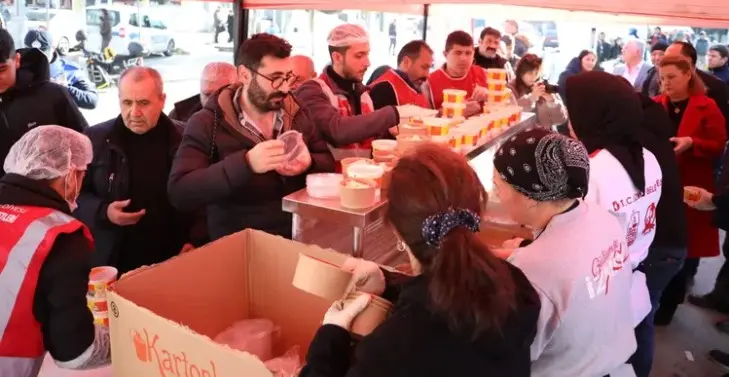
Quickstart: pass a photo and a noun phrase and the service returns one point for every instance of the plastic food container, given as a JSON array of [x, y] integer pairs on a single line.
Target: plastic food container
[[453, 110], [99, 280], [495, 97], [323, 185], [443, 140], [470, 137], [515, 117], [293, 144], [358, 193], [413, 130], [454, 96], [101, 319], [354, 161], [691, 194], [456, 140], [370, 172], [416, 121], [407, 143], [97, 305], [320, 278], [496, 86], [384, 148], [437, 126], [387, 176], [496, 75], [374, 314]]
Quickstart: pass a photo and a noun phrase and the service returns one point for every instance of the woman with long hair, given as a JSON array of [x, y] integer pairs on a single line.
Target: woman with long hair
[[700, 134], [465, 312], [533, 95], [578, 261], [585, 61]]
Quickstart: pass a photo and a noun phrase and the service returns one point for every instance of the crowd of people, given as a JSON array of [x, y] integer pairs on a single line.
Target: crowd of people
[[144, 186]]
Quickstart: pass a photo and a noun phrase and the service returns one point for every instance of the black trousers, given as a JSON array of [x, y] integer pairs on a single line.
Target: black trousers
[[675, 293]]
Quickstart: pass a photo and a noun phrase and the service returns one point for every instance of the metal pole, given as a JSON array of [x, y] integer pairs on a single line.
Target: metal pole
[[240, 26], [426, 11]]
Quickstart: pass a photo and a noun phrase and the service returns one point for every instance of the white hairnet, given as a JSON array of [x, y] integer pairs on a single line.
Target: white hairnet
[[347, 35], [49, 152]]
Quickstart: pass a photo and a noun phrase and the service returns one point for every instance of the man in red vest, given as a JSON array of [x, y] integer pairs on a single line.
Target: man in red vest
[[459, 72], [45, 257], [402, 86], [338, 101]]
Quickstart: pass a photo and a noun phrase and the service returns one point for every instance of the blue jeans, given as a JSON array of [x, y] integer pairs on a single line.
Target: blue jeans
[[658, 272]]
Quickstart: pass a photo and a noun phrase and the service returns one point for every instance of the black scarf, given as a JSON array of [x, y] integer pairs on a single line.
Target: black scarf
[[606, 113]]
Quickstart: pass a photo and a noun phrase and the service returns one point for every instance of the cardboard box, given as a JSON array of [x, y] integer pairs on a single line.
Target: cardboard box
[[163, 317]]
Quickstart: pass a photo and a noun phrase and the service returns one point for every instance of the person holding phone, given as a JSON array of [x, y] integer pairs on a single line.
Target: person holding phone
[[699, 140]]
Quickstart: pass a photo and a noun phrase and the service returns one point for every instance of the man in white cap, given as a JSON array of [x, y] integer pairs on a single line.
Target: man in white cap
[[339, 102]]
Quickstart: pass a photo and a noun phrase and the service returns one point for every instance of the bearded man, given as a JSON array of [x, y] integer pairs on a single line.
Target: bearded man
[[231, 159]]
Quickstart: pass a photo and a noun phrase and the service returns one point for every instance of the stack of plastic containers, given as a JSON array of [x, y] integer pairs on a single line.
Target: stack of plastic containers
[[99, 280], [496, 92], [454, 103]]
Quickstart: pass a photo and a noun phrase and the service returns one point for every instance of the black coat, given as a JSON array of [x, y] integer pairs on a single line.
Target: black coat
[[34, 101], [184, 109], [59, 304], [415, 342], [107, 180], [210, 169]]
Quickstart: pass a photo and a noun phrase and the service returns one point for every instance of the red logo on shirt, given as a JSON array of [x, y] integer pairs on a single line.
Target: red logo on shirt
[[649, 222]]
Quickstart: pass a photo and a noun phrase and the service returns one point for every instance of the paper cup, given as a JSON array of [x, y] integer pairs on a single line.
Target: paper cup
[[101, 319], [374, 314], [496, 86], [498, 97], [454, 96], [99, 280], [437, 126], [691, 194], [496, 75], [453, 110], [320, 278], [357, 194], [97, 305]]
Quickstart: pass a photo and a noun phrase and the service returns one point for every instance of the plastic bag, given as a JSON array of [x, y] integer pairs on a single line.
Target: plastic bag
[[254, 336], [287, 365]]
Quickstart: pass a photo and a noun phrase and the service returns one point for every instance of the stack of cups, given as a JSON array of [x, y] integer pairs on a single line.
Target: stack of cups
[[454, 103], [99, 281]]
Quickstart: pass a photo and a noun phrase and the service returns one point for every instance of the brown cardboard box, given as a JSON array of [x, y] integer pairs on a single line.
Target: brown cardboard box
[[163, 317]]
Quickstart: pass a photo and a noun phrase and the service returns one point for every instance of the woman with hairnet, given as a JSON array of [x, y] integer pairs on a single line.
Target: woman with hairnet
[[45, 257]]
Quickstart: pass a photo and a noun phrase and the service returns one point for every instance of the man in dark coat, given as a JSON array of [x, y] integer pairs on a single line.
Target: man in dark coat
[[29, 99], [230, 159], [214, 76], [124, 196]]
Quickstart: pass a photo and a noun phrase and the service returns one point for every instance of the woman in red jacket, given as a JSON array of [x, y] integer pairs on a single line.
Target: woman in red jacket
[[699, 139]]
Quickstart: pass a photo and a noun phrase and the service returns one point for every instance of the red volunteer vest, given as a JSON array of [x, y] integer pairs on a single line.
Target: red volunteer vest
[[28, 234], [405, 93], [439, 80], [345, 109]]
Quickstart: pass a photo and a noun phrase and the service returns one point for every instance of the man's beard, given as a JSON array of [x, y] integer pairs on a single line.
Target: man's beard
[[350, 74], [263, 101]]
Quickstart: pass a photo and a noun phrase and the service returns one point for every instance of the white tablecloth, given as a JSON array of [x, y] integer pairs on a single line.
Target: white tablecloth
[[50, 369]]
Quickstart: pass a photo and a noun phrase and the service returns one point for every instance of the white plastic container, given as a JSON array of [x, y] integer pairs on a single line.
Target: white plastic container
[[323, 185]]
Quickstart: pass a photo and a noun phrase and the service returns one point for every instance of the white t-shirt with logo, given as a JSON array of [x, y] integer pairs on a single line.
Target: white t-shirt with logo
[[612, 188]]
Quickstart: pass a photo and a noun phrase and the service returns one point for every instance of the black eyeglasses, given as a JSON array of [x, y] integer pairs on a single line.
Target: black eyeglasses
[[276, 82]]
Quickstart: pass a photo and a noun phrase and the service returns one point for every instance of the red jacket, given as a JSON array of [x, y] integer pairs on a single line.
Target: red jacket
[[704, 123], [440, 80], [28, 234], [405, 93]]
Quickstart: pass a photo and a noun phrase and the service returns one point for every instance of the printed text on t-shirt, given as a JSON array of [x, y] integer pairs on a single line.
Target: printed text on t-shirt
[[609, 263], [650, 188]]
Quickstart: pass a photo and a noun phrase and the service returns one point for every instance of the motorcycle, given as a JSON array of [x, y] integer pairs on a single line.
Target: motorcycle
[[105, 68]]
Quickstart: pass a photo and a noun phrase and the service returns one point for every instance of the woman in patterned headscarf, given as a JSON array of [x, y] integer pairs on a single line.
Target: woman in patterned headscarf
[[577, 261]]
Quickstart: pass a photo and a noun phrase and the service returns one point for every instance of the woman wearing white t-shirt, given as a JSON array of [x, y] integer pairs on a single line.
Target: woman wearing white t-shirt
[[578, 261], [606, 115]]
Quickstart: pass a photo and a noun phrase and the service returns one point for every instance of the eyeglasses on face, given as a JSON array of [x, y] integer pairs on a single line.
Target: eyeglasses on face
[[278, 81]]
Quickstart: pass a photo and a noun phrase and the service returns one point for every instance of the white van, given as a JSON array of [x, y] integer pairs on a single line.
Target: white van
[[129, 24]]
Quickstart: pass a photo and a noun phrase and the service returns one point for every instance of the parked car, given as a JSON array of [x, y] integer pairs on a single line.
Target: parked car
[[61, 23], [129, 24]]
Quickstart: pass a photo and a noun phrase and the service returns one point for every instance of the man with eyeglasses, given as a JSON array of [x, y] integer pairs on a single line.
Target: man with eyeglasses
[[340, 104], [230, 159]]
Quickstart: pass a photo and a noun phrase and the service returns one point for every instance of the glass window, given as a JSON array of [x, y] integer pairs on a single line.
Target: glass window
[[178, 39]]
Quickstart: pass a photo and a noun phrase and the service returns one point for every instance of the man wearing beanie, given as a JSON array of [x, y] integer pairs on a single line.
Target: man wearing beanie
[[63, 72], [651, 86], [719, 62]]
